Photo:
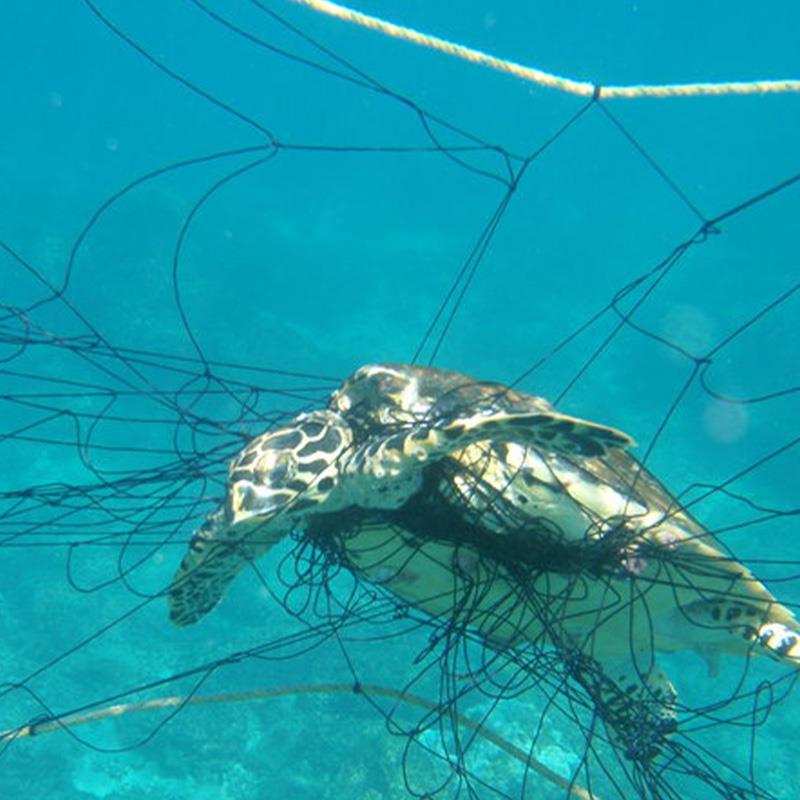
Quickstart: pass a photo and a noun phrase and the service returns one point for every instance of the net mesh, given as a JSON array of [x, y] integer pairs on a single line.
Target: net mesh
[[606, 257]]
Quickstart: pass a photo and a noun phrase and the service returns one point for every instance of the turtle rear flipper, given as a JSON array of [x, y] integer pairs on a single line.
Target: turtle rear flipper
[[685, 591], [716, 604], [780, 642], [741, 625]]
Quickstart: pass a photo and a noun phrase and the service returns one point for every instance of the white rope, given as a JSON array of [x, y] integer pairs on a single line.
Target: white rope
[[541, 77]]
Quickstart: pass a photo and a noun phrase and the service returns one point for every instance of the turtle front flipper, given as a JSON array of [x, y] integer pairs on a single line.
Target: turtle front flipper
[[550, 431], [387, 470], [211, 564], [274, 484], [639, 708]]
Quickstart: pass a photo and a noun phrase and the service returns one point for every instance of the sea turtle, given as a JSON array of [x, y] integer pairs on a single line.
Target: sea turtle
[[487, 507], [318, 465]]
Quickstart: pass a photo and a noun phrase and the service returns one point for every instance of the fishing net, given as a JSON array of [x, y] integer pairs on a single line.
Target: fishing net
[[214, 213]]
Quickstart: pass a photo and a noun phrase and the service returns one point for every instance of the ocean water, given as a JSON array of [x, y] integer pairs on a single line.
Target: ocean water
[[210, 213]]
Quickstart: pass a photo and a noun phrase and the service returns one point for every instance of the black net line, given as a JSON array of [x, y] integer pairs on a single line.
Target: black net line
[[156, 506]]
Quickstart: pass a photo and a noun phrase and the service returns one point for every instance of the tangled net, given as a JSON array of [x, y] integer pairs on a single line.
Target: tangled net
[[290, 207]]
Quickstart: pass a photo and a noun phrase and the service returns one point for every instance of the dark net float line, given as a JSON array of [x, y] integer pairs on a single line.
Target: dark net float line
[[369, 690], [547, 79]]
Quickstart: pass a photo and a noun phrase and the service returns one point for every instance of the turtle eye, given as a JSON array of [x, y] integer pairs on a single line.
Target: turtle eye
[[275, 470], [282, 471]]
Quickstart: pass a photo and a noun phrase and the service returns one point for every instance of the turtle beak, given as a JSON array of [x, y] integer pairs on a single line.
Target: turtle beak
[[249, 500]]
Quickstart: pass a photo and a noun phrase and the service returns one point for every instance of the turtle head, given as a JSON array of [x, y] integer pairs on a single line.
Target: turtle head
[[274, 485], [287, 472]]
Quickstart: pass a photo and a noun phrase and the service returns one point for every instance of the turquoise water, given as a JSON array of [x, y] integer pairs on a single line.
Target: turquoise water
[[338, 250]]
